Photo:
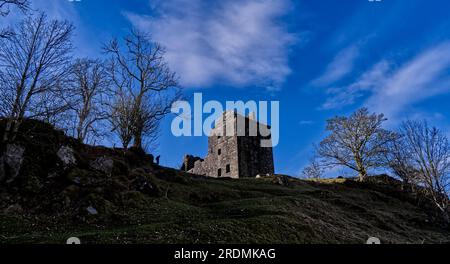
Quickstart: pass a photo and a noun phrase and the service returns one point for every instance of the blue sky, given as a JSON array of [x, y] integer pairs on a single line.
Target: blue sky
[[319, 58]]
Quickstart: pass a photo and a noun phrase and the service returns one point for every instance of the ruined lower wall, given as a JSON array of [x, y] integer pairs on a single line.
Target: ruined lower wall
[[222, 155]]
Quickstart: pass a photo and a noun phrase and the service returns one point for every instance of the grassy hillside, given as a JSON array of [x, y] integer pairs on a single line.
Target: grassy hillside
[[138, 202]]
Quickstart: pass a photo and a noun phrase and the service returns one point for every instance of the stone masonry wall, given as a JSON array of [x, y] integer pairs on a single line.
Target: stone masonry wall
[[233, 156]]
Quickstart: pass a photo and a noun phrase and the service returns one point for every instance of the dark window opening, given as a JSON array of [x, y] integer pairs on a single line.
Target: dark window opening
[[228, 168], [219, 152], [219, 172]]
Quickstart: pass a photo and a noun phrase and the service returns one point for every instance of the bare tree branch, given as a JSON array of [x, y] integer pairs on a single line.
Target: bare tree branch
[[314, 170], [430, 154], [5, 5], [33, 63], [143, 79], [86, 94], [358, 142], [5, 8]]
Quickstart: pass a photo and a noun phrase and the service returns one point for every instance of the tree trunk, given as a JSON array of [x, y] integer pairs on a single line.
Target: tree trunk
[[446, 217], [137, 141], [8, 126], [362, 171], [360, 166], [362, 176], [15, 130], [11, 129], [138, 122]]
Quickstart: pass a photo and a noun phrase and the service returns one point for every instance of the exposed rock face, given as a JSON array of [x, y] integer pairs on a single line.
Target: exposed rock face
[[282, 180], [91, 210], [67, 156], [11, 162], [103, 164], [45, 172]]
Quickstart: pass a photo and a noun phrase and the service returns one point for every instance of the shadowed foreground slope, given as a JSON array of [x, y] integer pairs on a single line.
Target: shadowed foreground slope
[[111, 196]]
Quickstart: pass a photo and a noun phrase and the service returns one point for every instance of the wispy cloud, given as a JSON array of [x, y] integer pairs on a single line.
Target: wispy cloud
[[341, 65], [390, 90], [233, 42], [366, 83], [425, 76]]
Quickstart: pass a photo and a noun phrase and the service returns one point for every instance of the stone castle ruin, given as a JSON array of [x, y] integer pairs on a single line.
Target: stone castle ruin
[[234, 149]]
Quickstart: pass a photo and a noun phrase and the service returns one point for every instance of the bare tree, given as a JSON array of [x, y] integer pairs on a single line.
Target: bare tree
[[139, 70], [122, 117], [33, 63], [430, 151], [357, 142], [23, 5], [314, 170], [400, 161], [86, 95], [5, 8]]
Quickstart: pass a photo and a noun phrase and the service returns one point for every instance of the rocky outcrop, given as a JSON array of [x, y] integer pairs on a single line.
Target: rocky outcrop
[[11, 162], [103, 164], [67, 156]]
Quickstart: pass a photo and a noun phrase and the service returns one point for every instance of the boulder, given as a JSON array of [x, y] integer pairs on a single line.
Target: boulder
[[282, 180], [67, 156], [103, 164], [91, 210], [11, 162]]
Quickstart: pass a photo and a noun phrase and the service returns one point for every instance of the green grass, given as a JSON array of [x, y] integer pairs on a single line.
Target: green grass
[[200, 210], [49, 203]]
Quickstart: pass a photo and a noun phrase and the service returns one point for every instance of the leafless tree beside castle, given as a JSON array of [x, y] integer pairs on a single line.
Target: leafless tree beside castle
[[34, 63], [145, 87], [357, 142]]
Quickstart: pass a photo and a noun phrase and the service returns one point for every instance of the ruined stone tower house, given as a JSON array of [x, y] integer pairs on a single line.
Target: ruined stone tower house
[[234, 153]]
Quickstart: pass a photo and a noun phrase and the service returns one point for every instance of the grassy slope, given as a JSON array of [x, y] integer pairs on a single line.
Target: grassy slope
[[184, 208], [200, 210]]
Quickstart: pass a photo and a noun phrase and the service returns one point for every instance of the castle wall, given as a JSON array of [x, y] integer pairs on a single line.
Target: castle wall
[[254, 159], [236, 156]]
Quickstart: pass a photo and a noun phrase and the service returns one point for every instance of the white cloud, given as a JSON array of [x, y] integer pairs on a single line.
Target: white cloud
[[367, 82], [425, 76], [232, 42], [340, 66], [392, 90]]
